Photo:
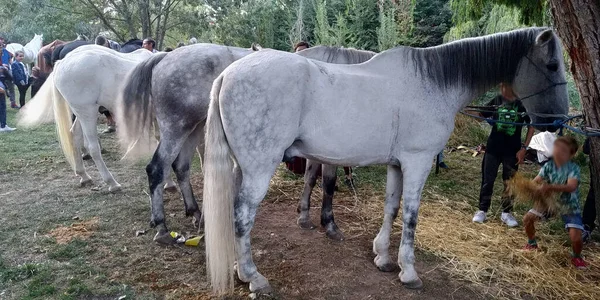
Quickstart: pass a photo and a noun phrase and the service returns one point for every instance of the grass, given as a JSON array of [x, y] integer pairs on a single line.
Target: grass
[[39, 194]]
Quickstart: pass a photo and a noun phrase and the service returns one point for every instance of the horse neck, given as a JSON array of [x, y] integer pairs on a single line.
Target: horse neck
[[466, 69], [35, 45]]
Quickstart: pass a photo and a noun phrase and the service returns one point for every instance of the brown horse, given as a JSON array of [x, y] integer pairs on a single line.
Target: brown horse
[[43, 58]]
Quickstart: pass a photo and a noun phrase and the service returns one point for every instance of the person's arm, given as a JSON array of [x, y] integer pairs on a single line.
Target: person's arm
[[538, 179], [521, 153], [570, 187]]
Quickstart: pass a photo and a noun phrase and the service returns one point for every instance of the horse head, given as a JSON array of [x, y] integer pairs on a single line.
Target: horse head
[[540, 81]]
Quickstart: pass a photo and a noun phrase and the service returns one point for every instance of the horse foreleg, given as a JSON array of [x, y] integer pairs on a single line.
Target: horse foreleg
[[88, 124], [181, 166], [381, 243], [310, 179], [416, 169], [327, 221]]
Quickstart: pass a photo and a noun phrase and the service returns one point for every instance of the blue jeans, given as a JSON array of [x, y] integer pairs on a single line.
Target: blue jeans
[[2, 108]]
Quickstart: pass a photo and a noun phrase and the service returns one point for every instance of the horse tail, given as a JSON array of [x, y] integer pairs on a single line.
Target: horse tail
[[135, 114], [40, 109], [218, 198], [50, 104], [62, 116]]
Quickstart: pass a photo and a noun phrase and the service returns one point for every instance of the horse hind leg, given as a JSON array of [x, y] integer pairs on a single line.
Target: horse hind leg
[[88, 124], [181, 166], [79, 166], [381, 243], [327, 220], [310, 179], [157, 170], [252, 190]]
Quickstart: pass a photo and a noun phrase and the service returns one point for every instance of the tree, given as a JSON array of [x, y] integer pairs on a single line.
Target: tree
[[431, 19], [578, 25]]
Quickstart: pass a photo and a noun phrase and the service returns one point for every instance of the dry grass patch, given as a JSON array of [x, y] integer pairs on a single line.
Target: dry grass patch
[[81, 230]]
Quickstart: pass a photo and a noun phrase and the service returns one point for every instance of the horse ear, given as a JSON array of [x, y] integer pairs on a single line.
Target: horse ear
[[544, 37]]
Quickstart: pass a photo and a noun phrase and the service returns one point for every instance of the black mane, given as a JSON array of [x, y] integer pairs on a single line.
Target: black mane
[[475, 62]]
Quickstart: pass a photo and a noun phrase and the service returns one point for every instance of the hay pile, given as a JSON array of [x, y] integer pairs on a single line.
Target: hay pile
[[525, 190], [490, 256]]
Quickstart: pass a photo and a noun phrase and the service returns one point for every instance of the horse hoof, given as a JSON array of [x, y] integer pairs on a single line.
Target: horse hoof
[[413, 285], [335, 235], [164, 238], [84, 183], [198, 223], [384, 266], [388, 268], [171, 189], [115, 188], [86, 157], [260, 286], [306, 224]]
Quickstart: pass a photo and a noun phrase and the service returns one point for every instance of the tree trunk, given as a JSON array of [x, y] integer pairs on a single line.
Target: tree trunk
[[578, 25], [145, 21]]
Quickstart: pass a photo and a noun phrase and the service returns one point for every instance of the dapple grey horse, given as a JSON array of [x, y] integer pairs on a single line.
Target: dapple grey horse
[[179, 101], [396, 109]]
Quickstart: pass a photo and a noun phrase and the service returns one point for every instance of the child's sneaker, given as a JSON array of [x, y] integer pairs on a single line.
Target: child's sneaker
[[509, 220], [479, 216], [530, 247], [579, 263]]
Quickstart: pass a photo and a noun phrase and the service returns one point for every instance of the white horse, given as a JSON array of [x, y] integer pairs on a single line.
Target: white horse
[[88, 77], [396, 109], [30, 50]]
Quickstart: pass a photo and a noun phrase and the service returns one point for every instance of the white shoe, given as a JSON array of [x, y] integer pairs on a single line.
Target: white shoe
[[479, 216], [509, 220], [6, 129]]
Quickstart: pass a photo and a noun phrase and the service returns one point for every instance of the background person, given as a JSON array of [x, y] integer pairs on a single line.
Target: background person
[[7, 59], [149, 44], [504, 148], [20, 76], [589, 207], [3, 126]]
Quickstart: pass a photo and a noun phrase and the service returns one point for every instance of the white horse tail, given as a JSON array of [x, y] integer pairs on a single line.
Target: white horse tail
[[49, 104], [218, 199], [40, 109], [135, 114], [62, 116]]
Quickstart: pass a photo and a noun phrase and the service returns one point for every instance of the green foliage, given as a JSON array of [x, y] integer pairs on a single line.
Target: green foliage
[[432, 19], [388, 31], [532, 11]]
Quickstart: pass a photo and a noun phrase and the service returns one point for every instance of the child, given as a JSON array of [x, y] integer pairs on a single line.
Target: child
[[20, 76], [560, 175]]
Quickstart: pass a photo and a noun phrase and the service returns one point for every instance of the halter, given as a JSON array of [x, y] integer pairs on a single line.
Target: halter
[[552, 85]]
